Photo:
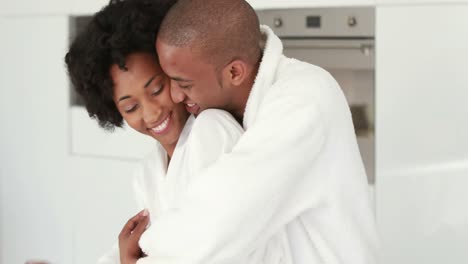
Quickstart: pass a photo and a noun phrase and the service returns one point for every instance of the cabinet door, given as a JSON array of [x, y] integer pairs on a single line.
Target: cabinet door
[[421, 133], [268, 4], [53, 205], [86, 7], [32, 7], [34, 175], [417, 2]]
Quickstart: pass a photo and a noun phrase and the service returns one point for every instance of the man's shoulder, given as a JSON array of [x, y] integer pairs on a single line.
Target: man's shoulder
[[294, 70], [304, 84]]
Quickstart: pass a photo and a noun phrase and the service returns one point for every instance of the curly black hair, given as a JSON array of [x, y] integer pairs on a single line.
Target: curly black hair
[[119, 29]]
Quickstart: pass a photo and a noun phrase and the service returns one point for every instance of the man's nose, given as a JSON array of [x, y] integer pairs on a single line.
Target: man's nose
[[178, 96]]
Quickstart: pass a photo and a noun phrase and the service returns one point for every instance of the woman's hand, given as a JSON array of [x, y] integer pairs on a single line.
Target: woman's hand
[[129, 249]]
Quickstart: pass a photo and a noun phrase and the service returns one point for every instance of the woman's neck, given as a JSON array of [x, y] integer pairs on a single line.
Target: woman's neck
[[169, 150]]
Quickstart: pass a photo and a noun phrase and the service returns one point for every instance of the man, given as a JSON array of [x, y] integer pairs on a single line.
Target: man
[[293, 190]]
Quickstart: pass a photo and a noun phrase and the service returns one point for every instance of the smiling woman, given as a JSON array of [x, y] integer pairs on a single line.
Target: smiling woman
[[142, 96], [113, 65], [108, 40]]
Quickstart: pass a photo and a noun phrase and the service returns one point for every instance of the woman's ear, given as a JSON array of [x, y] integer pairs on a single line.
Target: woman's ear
[[235, 72]]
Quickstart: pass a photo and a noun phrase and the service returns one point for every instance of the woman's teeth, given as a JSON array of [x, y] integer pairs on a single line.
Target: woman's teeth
[[190, 105], [162, 126]]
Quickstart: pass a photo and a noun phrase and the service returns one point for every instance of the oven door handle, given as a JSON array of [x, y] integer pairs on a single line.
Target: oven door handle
[[366, 47]]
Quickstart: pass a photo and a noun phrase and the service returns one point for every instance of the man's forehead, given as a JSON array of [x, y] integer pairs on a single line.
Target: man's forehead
[[187, 53], [169, 48]]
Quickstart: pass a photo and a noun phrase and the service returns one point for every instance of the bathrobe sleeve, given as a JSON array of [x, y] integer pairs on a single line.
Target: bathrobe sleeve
[[214, 134], [248, 194], [111, 257]]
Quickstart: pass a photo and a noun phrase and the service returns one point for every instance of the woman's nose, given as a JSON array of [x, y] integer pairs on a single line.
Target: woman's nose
[[151, 114]]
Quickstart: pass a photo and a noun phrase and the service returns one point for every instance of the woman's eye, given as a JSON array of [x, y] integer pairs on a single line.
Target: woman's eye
[[130, 109], [157, 90]]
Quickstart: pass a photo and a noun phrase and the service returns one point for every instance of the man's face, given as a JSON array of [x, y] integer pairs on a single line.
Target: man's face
[[194, 82]]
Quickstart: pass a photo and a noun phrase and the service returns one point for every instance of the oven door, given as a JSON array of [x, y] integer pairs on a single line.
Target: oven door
[[352, 64]]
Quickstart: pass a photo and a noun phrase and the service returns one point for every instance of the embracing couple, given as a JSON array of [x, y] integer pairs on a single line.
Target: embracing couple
[[256, 158]]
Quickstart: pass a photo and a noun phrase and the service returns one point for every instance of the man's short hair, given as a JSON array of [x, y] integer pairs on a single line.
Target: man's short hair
[[220, 30]]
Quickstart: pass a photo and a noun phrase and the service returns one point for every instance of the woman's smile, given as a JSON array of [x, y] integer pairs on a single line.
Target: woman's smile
[[163, 127]]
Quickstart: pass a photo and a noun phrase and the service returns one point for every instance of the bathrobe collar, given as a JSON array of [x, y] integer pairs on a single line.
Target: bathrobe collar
[[272, 53]]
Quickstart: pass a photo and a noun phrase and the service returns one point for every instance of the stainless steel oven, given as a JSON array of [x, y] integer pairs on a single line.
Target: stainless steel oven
[[340, 40]]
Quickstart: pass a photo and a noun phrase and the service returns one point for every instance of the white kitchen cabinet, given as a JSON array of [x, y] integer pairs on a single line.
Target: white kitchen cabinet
[[86, 7], [35, 212], [421, 128], [31, 7], [89, 140], [102, 202], [418, 2], [274, 4], [53, 205]]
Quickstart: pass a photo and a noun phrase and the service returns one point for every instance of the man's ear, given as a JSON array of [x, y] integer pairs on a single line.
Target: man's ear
[[235, 72]]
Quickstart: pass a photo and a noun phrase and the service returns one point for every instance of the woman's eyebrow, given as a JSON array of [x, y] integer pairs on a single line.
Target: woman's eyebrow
[[146, 85], [124, 97], [150, 80]]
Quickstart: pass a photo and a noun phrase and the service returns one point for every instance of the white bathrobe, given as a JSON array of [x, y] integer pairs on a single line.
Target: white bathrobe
[[293, 189], [159, 187]]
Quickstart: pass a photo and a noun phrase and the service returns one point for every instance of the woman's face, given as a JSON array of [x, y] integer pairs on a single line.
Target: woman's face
[[142, 95]]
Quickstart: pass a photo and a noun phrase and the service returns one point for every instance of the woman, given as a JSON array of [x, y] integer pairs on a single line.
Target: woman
[[113, 66]]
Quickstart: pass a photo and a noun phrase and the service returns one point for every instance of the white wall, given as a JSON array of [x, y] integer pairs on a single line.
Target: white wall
[[102, 203], [30, 7], [35, 216], [54, 206], [422, 128]]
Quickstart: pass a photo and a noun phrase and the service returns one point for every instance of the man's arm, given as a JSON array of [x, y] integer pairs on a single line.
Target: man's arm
[[247, 194]]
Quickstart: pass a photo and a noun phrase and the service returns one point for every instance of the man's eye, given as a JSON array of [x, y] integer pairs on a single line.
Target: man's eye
[[185, 86]]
